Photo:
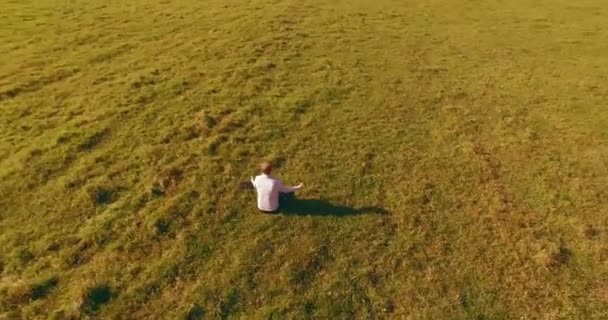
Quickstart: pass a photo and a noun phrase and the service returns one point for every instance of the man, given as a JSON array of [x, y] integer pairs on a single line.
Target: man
[[268, 189]]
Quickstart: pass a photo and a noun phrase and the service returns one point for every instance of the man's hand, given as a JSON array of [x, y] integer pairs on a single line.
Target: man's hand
[[299, 186]]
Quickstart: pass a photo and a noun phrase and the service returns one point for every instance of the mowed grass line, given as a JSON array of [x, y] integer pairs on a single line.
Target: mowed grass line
[[478, 127]]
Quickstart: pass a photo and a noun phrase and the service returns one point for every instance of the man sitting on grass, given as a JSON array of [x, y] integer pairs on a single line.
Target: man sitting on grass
[[268, 189]]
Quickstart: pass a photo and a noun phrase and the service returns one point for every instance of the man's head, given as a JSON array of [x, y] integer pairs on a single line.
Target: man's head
[[266, 167]]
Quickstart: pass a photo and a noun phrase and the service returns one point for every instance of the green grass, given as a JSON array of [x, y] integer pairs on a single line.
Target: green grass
[[480, 128]]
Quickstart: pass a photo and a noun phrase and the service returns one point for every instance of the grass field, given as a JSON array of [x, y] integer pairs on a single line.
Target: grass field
[[454, 155]]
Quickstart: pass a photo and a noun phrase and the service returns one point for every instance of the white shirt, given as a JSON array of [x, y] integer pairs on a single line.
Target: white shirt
[[268, 189]]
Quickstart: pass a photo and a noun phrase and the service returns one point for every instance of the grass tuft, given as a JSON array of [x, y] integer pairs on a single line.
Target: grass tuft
[[94, 298]]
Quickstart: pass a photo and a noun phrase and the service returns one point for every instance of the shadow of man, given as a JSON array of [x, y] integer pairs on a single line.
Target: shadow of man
[[290, 205]]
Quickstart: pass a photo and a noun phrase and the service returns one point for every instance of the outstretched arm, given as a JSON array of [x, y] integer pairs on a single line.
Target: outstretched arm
[[285, 189]]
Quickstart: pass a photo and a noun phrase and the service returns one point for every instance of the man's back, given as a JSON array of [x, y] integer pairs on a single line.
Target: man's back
[[268, 189]]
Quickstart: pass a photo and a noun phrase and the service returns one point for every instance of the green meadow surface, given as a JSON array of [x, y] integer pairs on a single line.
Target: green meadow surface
[[454, 156]]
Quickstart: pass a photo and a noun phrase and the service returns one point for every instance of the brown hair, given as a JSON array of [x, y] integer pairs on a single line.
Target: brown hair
[[266, 167]]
